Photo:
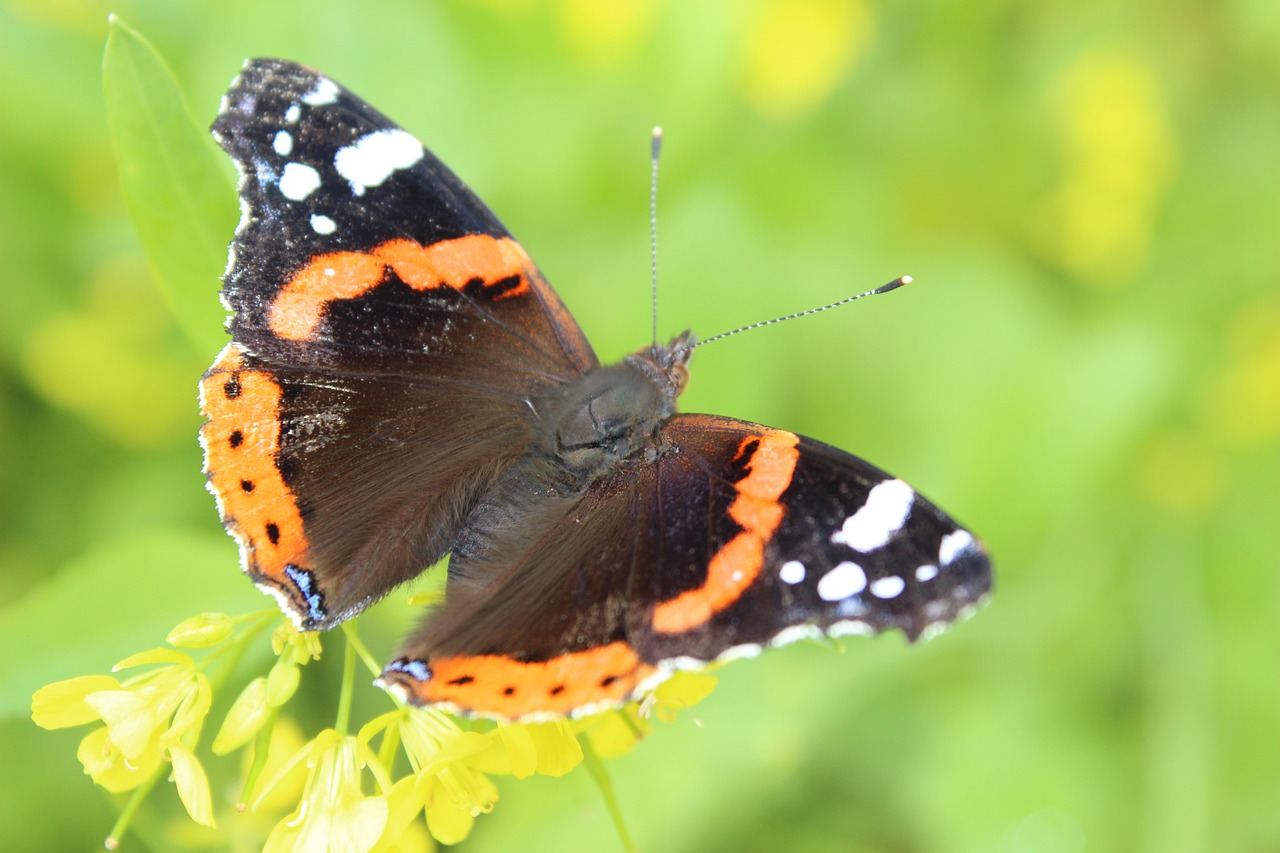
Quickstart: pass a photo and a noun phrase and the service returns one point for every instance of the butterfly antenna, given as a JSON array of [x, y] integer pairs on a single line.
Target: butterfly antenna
[[654, 151], [884, 288]]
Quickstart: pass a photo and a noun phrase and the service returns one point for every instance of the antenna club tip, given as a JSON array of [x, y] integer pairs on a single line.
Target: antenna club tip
[[893, 285], [657, 132]]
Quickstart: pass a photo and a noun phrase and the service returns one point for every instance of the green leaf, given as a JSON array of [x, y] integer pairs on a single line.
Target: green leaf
[[175, 184]]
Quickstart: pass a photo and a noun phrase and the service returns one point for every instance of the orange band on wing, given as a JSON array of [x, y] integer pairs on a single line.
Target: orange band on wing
[[500, 686], [300, 305], [737, 564], [241, 440]]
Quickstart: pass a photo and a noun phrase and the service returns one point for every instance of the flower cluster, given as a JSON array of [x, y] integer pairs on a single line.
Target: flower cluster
[[351, 792], [148, 719]]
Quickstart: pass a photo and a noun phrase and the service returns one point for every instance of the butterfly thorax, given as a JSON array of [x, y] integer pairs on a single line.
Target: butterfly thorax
[[614, 413]]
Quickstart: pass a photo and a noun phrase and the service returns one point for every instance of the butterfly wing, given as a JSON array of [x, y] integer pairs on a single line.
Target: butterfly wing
[[391, 345], [360, 252], [797, 539], [735, 538]]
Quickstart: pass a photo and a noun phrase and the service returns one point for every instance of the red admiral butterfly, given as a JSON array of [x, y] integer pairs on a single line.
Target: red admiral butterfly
[[403, 384]]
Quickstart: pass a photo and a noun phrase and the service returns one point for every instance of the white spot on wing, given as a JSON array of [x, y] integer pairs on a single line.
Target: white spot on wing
[[932, 630], [746, 650], [325, 92], [292, 114], [322, 224], [792, 571], [283, 143], [395, 688], [927, 572], [851, 628], [845, 580], [954, 545], [795, 634], [375, 156], [299, 181], [888, 587], [883, 515]]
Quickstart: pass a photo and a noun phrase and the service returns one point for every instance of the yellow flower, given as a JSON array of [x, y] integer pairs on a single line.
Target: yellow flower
[[153, 716], [450, 781], [61, 705], [201, 632], [615, 733], [522, 749], [303, 646], [443, 784], [334, 813], [108, 767]]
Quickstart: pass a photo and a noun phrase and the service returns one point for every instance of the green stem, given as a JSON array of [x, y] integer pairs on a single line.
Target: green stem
[[131, 808], [353, 638], [601, 777], [348, 685], [632, 724]]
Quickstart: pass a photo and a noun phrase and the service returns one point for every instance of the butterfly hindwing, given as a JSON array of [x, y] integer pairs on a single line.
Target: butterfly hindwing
[[337, 487], [737, 537]]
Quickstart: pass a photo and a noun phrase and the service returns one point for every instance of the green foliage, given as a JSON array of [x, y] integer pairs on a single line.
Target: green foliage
[[1086, 371], [173, 179]]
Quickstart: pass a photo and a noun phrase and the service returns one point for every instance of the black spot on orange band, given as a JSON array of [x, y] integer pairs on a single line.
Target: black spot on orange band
[[242, 440], [503, 687]]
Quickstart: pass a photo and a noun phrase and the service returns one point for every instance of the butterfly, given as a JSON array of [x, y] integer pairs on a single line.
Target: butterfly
[[402, 384]]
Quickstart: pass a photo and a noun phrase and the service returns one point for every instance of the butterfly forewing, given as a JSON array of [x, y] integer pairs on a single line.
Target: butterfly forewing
[[359, 251], [390, 343]]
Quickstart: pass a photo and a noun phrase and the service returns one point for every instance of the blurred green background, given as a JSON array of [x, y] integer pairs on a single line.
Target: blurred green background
[[1087, 372]]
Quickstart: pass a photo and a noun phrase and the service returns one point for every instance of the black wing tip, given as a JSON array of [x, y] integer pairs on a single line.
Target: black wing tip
[[971, 580]]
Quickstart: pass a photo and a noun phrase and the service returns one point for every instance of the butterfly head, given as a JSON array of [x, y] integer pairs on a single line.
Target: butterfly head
[[667, 365]]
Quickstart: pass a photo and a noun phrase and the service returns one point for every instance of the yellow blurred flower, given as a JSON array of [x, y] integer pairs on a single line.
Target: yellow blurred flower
[[796, 52], [604, 33], [1118, 156]]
